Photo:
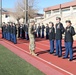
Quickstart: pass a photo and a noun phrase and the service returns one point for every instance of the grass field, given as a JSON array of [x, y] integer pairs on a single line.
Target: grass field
[[11, 64]]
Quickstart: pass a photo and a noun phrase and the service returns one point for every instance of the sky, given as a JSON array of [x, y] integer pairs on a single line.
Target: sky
[[40, 3]]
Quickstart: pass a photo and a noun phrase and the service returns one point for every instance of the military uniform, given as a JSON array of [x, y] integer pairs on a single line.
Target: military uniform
[[19, 31], [14, 32], [26, 32], [47, 31], [11, 32], [43, 27], [32, 38], [39, 31], [51, 39], [6, 32], [58, 37], [69, 33], [32, 32]]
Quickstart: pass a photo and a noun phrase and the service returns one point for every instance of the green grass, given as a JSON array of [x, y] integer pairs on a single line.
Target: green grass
[[11, 64]]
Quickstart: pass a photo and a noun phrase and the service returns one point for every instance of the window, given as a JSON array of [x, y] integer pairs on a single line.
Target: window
[[74, 8], [55, 11], [65, 9], [6, 16], [48, 12]]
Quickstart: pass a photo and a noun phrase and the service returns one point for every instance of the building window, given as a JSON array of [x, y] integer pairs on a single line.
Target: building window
[[74, 8], [55, 11], [6, 16], [65, 9], [48, 12]]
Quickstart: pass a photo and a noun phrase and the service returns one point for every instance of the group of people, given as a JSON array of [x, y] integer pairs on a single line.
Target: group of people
[[9, 32], [54, 34], [23, 31]]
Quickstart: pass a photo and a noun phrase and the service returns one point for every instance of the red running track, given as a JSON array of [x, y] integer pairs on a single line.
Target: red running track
[[55, 65]]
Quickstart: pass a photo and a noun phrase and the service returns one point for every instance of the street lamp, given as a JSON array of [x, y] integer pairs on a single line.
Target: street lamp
[[0, 13]]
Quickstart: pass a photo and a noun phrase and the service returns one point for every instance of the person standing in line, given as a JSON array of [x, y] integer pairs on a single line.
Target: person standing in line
[[51, 37], [14, 30], [43, 27], [32, 32], [11, 31], [6, 31], [47, 31], [27, 36], [3, 30], [69, 33], [39, 31], [21, 29], [58, 36], [18, 30]]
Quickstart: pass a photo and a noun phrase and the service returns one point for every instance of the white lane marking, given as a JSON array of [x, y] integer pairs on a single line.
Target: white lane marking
[[44, 61]]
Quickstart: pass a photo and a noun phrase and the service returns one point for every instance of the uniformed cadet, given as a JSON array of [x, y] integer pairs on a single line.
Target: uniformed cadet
[[3, 30], [32, 32], [47, 31], [14, 32], [51, 37], [19, 31], [69, 33], [11, 32], [27, 36], [36, 31], [8, 29], [58, 37], [6, 32], [43, 27], [39, 31]]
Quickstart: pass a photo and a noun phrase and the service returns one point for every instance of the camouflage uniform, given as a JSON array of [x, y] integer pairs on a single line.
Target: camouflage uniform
[[31, 38]]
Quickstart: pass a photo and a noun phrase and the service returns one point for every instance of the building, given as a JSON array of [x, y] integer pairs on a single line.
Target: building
[[63, 9], [7, 16]]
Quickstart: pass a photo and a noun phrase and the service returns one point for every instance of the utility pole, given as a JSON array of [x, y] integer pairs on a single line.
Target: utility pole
[[26, 11], [0, 13]]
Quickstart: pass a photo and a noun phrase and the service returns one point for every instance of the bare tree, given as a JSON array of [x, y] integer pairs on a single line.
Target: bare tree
[[20, 9]]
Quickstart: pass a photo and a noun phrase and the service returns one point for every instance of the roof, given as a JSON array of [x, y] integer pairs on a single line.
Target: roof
[[64, 5]]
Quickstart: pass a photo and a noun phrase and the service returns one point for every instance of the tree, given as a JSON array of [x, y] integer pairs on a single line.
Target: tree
[[20, 9]]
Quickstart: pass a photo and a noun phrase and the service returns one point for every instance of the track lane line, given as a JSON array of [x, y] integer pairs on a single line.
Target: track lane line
[[42, 59]]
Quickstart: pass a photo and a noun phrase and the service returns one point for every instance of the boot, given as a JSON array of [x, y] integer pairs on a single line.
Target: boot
[[30, 51], [33, 53]]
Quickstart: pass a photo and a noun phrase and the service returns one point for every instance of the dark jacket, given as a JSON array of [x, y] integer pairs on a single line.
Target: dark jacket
[[51, 33], [59, 31], [69, 33], [6, 29], [24, 28], [14, 31], [47, 29], [11, 29], [39, 29], [43, 27]]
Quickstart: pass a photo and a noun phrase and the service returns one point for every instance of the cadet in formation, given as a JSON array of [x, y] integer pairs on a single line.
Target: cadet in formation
[[32, 32], [58, 36], [39, 31], [51, 37], [69, 33], [47, 31], [43, 27]]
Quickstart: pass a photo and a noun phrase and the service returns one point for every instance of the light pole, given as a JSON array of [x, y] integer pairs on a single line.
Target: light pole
[[26, 11], [0, 13]]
